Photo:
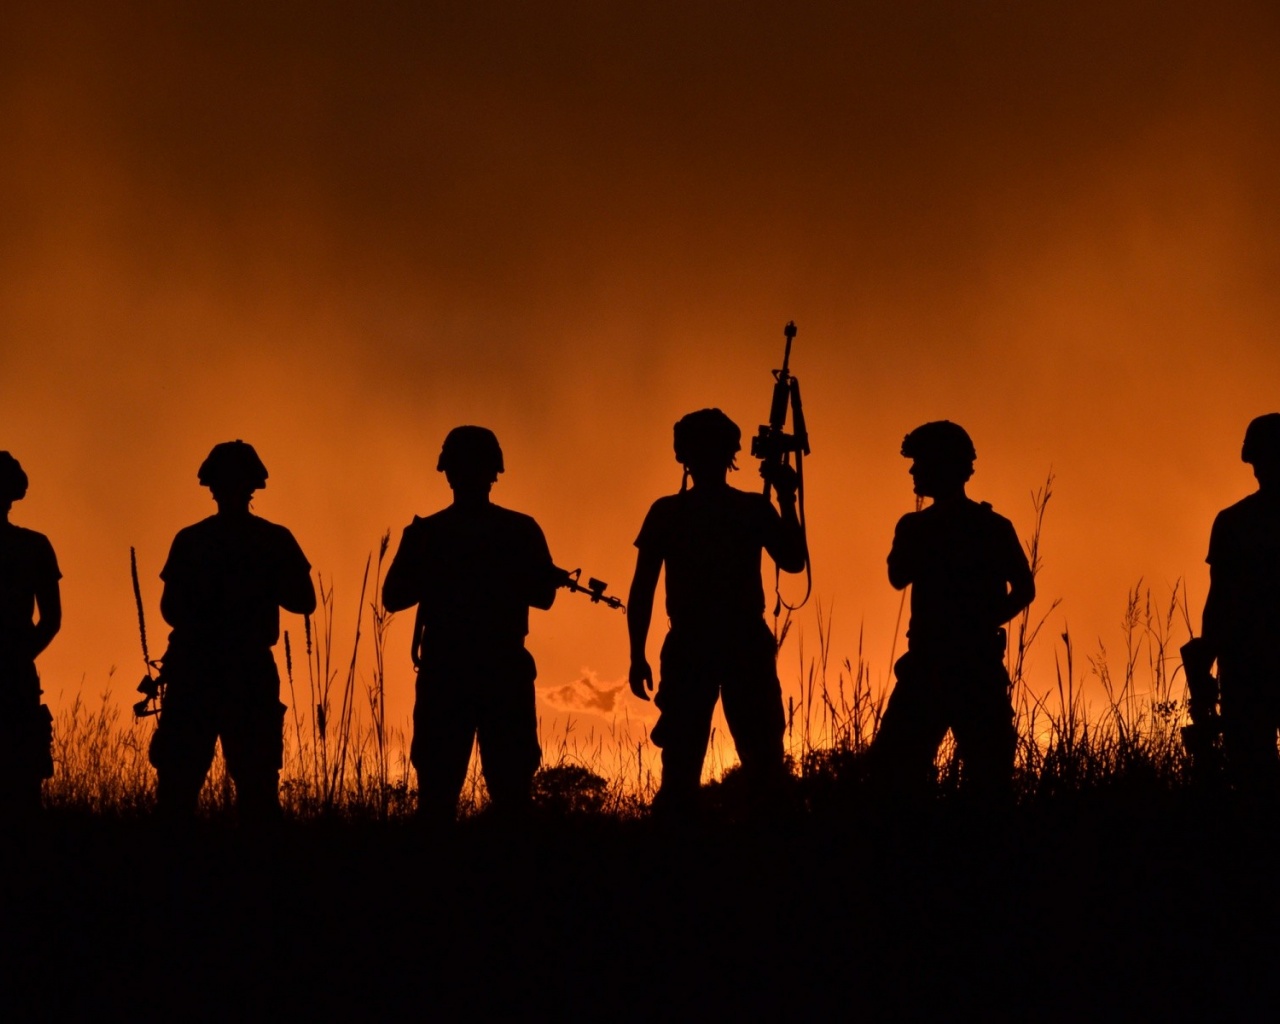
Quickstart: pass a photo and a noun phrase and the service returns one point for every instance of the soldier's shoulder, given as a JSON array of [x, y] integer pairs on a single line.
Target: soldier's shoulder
[[32, 543], [1231, 515], [748, 499], [913, 520], [426, 524], [196, 531], [1251, 511], [30, 538], [984, 511], [276, 532], [667, 507], [510, 519], [1256, 503]]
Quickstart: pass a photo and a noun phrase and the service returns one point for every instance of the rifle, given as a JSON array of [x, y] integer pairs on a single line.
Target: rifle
[[1201, 737], [595, 589], [773, 445], [152, 686]]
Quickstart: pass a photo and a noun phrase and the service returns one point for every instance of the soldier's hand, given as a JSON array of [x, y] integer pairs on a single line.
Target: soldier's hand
[[560, 577], [641, 679], [782, 478]]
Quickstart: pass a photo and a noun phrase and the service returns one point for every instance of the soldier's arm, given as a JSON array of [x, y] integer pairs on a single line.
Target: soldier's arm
[[639, 615], [294, 590], [1215, 619], [399, 589], [1022, 589], [546, 578], [901, 555], [299, 593], [173, 598], [786, 542], [170, 605], [49, 606]]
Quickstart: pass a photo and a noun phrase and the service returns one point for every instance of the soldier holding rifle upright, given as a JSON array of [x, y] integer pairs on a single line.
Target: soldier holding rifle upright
[[1241, 624], [28, 584], [709, 538], [225, 581]]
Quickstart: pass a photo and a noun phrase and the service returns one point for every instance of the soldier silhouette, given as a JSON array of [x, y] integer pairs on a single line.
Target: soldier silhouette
[[1241, 622], [969, 576], [474, 569], [28, 584], [225, 581], [710, 538]]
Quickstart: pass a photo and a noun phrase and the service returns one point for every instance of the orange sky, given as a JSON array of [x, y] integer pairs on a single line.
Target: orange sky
[[338, 233]]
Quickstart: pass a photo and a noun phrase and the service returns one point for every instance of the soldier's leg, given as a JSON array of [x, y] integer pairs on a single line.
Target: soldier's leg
[[986, 738], [1249, 723], [252, 734], [507, 731], [19, 785], [444, 729], [26, 744], [686, 697], [19, 795], [911, 729], [752, 698], [181, 752]]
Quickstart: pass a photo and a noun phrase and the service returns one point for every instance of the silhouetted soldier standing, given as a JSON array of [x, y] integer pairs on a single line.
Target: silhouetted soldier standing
[[968, 576], [1241, 624], [225, 581], [474, 569], [28, 583], [710, 538]]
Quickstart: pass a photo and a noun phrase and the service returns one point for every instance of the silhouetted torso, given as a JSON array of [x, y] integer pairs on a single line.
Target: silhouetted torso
[[1244, 553], [224, 583], [958, 557], [474, 571], [710, 540], [27, 563]]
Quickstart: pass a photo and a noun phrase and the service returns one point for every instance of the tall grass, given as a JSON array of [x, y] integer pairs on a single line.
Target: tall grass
[[343, 757]]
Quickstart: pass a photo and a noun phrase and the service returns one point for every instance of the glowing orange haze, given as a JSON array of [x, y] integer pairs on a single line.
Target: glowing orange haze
[[337, 239]]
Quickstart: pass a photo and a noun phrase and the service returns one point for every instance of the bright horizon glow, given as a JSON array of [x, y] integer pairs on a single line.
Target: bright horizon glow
[[338, 239]]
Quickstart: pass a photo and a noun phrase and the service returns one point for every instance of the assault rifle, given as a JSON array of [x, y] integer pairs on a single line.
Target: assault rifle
[[772, 445], [1201, 737], [595, 589], [152, 686]]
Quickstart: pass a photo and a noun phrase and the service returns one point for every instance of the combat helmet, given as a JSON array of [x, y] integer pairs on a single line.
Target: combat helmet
[[233, 464], [707, 436], [1262, 440], [13, 481], [940, 442], [471, 449]]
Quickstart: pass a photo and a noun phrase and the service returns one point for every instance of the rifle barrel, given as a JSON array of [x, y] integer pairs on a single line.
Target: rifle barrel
[[137, 600], [789, 332]]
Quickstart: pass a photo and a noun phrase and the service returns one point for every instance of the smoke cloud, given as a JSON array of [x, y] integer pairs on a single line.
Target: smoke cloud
[[337, 232]]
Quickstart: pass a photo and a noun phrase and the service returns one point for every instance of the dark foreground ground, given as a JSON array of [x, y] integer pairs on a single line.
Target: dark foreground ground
[[1094, 909]]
